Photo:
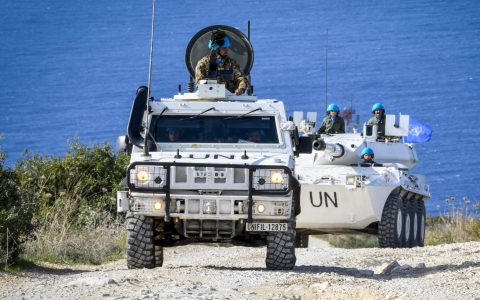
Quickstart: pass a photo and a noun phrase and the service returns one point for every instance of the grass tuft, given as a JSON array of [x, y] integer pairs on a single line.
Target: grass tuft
[[456, 222], [58, 241]]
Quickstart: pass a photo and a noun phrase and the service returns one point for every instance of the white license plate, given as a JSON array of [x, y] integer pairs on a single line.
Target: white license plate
[[267, 226]]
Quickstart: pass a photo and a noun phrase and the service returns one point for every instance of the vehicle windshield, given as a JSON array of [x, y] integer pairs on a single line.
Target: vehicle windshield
[[214, 129]]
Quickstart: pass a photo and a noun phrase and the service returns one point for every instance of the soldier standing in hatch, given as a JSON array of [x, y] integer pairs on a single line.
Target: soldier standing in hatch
[[219, 43], [332, 123], [379, 119]]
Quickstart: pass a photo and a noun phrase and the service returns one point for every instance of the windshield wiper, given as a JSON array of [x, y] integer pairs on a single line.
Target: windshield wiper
[[242, 116], [156, 120], [200, 113], [163, 110]]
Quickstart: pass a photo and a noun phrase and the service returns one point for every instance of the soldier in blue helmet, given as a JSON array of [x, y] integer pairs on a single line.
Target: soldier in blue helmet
[[379, 119], [219, 44], [367, 155], [332, 123]]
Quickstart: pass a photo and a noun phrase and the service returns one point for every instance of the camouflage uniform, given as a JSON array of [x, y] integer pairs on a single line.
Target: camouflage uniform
[[329, 127], [227, 63], [380, 125]]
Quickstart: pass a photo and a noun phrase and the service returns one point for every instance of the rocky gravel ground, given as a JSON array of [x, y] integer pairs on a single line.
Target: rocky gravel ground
[[212, 272]]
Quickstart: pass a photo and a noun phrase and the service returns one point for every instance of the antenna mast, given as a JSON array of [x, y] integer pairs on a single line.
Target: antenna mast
[[250, 86], [145, 146], [326, 71]]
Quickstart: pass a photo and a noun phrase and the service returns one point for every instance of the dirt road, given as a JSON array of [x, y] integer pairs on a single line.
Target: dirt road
[[206, 272]]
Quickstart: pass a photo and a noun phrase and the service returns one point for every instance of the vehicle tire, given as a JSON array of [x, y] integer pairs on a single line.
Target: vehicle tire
[[141, 251], [391, 229], [281, 250], [281, 246], [421, 219], [159, 235], [158, 256], [411, 222]]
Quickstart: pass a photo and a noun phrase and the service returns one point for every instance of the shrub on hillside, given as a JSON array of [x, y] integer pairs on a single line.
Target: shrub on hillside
[[15, 215], [76, 202], [89, 175]]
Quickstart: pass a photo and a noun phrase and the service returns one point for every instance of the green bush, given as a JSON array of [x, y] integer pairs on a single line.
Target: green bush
[[15, 215], [76, 201], [62, 209], [89, 175]]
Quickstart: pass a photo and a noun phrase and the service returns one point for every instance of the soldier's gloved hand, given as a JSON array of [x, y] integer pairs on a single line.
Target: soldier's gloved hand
[[239, 91]]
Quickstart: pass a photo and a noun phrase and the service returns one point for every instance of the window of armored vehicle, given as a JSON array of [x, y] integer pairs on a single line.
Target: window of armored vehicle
[[214, 129]]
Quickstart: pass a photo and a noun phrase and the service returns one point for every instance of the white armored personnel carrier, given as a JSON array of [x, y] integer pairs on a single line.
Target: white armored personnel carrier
[[339, 193], [217, 168]]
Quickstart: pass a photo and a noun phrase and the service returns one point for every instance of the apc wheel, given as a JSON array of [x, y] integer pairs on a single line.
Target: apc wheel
[[141, 251], [281, 250], [391, 229], [411, 222], [421, 214]]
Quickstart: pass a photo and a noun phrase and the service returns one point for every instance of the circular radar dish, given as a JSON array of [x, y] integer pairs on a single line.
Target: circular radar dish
[[240, 48]]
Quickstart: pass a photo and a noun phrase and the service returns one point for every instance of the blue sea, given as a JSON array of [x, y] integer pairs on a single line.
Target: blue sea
[[69, 69]]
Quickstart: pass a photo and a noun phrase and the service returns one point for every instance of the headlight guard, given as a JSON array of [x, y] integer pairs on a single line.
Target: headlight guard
[[147, 176], [270, 180]]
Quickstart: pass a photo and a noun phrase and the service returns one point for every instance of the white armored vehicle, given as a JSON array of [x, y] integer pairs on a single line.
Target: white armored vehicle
[[211, 166], [339, 193], [215, 167]]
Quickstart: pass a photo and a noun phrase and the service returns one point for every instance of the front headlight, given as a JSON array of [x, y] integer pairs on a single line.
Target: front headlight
[[276, 177], [269, 208], [354, 181], [350, 180], [148, 177], [143, 176], [270, 179], [260, 208]]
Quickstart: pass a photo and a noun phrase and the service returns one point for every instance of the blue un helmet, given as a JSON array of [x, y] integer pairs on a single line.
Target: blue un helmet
[[219, 40], [367, 150], [333, 107], [377, 106]]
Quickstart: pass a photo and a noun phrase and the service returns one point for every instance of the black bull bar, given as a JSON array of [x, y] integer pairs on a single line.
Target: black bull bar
[[292, 181]]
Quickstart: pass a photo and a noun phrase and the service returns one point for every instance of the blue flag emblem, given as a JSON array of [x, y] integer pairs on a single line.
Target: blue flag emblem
[[418, 132]]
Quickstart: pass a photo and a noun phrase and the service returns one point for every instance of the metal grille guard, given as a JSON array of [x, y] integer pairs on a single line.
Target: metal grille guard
[[292, 182]]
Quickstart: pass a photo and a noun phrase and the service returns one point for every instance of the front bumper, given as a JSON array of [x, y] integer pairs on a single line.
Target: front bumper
[[211, 207], [210, 193]]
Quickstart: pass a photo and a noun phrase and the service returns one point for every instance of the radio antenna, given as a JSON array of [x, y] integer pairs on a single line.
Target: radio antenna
[[147, 130], [326, 70], [250, 86]]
